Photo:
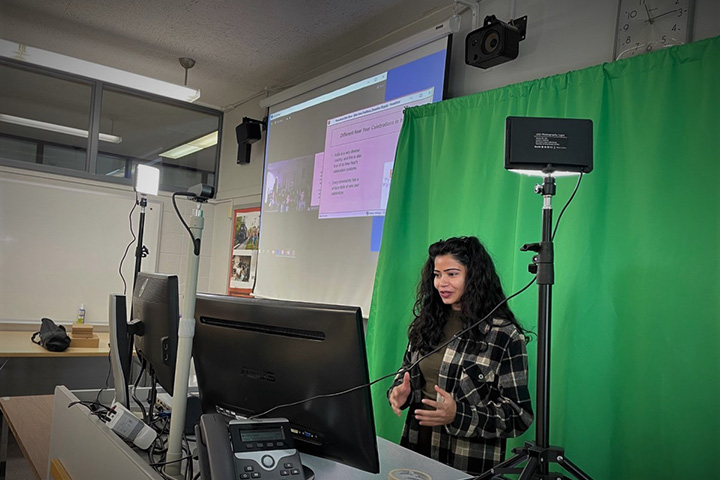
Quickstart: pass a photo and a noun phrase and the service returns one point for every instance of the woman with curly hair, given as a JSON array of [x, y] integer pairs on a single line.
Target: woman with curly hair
[[468, 393]]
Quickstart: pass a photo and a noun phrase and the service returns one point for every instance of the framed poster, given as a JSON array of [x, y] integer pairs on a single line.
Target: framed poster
[[243, 257]]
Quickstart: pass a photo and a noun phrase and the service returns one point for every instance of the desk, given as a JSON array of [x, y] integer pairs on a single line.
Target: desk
[[30, 420], [77, 436], [32, 370], [18, 344]]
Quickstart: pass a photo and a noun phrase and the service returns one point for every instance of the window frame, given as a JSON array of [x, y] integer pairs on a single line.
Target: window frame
[[97, 88]]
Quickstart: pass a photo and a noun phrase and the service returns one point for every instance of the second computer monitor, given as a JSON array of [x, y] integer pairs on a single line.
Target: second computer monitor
[[252, 355], [156, 305]]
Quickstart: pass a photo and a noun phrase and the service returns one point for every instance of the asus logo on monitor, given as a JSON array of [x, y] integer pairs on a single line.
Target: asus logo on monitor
[[257, 374]]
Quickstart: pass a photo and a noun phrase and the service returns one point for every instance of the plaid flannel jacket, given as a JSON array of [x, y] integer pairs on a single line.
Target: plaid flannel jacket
[[489, 386]]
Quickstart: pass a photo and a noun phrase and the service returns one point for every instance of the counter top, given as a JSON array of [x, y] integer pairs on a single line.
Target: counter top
[[18, 344]]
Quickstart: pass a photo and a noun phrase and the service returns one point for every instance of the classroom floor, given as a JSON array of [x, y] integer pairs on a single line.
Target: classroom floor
[[17, 467]]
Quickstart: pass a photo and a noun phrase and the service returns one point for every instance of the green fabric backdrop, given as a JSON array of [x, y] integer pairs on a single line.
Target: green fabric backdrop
[[635, 384]]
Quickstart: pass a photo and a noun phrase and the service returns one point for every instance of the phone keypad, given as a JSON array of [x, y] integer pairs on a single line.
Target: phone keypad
[[288, 470]]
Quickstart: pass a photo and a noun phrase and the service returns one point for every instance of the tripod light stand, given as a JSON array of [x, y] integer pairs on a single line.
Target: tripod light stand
[[122, 331], [122, 328], [540, 454], [546, 145]]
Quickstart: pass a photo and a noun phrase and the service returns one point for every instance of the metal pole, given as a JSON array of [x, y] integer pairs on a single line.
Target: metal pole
[[139, 248], [545, 279]]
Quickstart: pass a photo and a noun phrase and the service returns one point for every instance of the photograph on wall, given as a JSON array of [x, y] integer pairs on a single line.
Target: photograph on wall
[[243, 258]]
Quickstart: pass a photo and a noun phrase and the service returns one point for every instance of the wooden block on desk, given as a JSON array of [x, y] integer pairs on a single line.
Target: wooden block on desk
[[92, 342], [81, 329], [82, 335]]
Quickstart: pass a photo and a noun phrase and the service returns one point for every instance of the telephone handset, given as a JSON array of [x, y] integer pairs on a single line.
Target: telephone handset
[[247, 449]]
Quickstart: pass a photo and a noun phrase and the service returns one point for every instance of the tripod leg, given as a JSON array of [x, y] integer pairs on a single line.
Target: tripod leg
[[529, 469], [495, 471], [573, 469]]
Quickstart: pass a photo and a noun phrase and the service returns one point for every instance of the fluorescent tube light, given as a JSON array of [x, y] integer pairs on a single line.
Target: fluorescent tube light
[[53, 127], [36, 56], [191, 147], [147, 179]]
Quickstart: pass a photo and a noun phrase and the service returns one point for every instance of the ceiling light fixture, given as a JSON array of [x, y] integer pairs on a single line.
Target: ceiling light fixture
[[53, 127], [191, 147], [56, 61]]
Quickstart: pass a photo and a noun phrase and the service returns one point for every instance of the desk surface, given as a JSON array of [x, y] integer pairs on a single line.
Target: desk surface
[[18, 344], [30, 419]]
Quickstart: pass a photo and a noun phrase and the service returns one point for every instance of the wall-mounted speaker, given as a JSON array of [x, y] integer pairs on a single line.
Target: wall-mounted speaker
[[243, 155], [495, 42], [247, 133]]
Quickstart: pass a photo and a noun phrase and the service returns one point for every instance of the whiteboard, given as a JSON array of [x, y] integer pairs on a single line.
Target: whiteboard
[[61, 244]]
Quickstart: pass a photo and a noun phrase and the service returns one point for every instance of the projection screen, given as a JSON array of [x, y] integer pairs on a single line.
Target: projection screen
[[328, 165]]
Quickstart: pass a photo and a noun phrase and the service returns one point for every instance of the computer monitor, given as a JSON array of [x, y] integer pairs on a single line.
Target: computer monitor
[[121, 347], [156, 306], [252, 355]]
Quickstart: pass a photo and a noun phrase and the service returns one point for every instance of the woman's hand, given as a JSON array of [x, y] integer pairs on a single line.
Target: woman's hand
[[444, 413], [399, 394]]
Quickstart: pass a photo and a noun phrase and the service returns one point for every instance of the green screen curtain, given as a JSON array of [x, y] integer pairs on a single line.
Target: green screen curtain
[[635, 382]]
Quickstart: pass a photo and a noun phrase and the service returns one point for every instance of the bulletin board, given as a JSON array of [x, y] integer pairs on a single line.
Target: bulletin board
[[244, 251]]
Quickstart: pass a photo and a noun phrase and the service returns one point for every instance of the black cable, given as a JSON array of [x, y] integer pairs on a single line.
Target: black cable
[[160, 452], [195, 241], [107, 381], [160, 464], [91, 405], [189, 464], [137, 401], [401, 371], [152, 398], [129, 245], [436, 349], [557, 222], [177, 210], [97, 409]]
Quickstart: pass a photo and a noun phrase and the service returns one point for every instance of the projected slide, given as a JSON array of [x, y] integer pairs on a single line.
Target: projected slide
[[358, 158]]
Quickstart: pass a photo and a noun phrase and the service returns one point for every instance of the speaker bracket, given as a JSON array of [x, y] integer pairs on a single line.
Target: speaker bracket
[[474, 6], [520, 24]]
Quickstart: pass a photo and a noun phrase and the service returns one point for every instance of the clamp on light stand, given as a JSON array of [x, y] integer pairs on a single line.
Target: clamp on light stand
[[186, 331], [543, 262]]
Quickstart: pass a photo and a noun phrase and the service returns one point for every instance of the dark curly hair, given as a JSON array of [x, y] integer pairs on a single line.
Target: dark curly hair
[[483, 291]]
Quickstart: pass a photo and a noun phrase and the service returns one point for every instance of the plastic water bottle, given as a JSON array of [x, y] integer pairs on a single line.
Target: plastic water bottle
[[81, 314]]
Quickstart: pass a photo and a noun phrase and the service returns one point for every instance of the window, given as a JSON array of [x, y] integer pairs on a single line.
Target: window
[[46, 123], [43, 118]]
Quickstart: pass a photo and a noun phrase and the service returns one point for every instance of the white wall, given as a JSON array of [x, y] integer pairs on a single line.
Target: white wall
[[101, 239]]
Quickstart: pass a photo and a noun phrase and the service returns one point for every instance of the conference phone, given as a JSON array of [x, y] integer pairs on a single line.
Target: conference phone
[[248, 449]]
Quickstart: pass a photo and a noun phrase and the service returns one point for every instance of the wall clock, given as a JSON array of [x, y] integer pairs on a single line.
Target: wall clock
[[647, 25]]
